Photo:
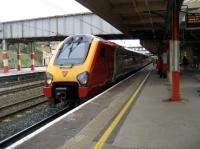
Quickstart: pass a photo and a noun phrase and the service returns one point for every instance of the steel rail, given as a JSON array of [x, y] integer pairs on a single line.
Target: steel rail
[[13, 90], [8, 141], [22, 109]]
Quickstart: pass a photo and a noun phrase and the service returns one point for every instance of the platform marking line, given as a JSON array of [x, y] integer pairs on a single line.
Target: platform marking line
[[38, 131], [117, 119]]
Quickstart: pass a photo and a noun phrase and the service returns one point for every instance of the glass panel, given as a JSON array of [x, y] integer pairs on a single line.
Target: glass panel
[[73, 52]]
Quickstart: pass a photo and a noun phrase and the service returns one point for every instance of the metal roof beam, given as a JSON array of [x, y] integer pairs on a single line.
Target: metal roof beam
[[128, 9], [145, 20], [139, 28]]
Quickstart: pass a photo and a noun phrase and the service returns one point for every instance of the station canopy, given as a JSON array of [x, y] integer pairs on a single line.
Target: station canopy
[[147, 20], [141, 19]]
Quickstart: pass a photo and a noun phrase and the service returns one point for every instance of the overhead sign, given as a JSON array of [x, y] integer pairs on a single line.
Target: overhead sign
[[193, 20]]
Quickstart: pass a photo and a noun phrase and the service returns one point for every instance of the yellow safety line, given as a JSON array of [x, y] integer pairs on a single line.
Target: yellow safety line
[[109, 130]]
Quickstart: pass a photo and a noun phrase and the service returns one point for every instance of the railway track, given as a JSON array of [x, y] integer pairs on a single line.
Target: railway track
[[8, 141], [20, 79], [8, 84], [13, 90], [14, 108]]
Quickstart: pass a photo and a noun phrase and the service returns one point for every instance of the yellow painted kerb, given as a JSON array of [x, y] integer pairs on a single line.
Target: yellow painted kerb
[[109, 130]]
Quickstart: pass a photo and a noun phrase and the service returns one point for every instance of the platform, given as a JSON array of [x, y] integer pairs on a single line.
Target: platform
[[13, 72], [152, 122]]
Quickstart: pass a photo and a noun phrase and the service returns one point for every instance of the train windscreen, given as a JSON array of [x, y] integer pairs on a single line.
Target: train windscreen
[[73, 51]]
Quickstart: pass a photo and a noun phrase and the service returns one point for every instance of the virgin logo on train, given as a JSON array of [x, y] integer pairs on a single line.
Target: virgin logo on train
[[64, 73]]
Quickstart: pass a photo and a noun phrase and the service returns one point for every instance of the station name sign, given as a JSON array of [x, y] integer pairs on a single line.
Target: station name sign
[[193, 20]]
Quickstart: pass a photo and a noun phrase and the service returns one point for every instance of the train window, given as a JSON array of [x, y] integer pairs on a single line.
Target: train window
[[73, 52], [103, 52]]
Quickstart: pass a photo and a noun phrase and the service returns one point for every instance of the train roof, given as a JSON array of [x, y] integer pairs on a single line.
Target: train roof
[[90, 37]]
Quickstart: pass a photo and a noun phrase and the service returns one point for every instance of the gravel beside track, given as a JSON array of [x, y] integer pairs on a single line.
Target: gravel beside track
[[11, 98], [15, 101], [21, 88], [26, 119], [7, 81], [20, 85], [14, 108]]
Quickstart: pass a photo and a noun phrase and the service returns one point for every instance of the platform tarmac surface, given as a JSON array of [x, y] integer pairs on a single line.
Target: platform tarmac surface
[[154, 123], [151, 123]]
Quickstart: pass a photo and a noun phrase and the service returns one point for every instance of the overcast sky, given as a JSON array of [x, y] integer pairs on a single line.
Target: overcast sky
[[23, 9], [26, 9]]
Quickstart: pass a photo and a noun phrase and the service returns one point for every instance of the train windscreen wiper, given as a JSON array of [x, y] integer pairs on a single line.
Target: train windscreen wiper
[[65, 45], [72, 48]]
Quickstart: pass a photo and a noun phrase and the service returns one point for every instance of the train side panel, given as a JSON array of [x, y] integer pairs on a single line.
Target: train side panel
[[102, 69], [126, 61]]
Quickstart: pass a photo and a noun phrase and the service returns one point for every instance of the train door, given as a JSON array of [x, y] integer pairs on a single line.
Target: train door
[[109, 62], [98, 72], [103, 63]]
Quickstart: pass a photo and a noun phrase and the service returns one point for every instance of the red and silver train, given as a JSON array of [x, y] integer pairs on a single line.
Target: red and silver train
[[84, 64]]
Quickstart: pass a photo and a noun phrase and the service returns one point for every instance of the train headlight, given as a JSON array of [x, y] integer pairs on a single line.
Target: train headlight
[[83, 78], [49, 78]]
